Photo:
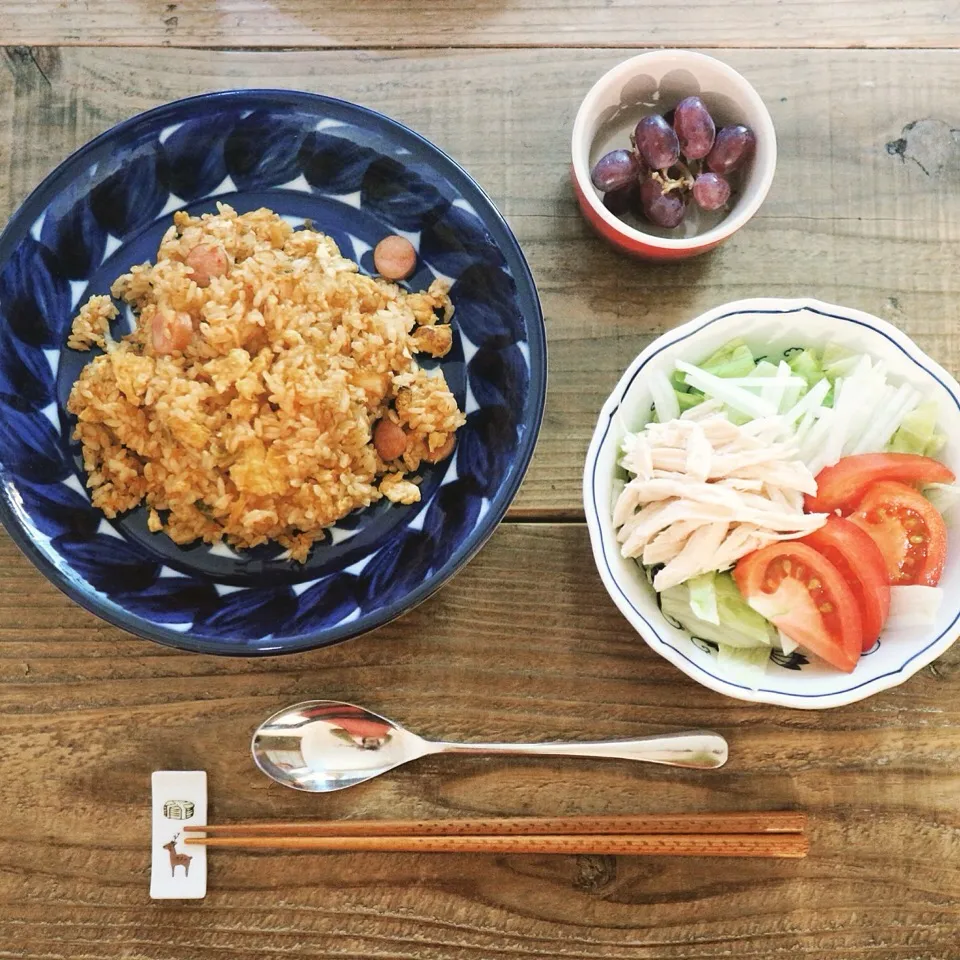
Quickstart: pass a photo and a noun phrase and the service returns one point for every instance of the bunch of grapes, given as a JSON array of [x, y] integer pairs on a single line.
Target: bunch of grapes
[[673, 158]]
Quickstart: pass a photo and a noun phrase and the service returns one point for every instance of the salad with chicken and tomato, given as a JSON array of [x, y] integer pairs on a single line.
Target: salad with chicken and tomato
[[785, 503]]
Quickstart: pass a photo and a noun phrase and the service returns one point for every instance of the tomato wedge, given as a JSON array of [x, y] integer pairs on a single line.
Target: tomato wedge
[[842, 486], [861, 564], [805, 595], [908, 529]]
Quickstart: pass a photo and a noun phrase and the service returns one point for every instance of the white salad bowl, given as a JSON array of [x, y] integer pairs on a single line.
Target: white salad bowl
[[770, 326]]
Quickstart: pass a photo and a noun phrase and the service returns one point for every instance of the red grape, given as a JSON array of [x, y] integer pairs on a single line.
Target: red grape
[[710, 191], [695, 128], [732, 148], [663, 209], [615, 169], [657, 142], [623, 200]]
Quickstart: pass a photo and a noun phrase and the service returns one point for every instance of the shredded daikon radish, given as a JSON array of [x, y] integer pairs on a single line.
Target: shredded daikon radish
[[913, 606], [734, 397], [664, 398]]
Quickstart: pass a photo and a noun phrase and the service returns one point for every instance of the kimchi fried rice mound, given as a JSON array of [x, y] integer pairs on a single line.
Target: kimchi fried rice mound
[[264, 385]]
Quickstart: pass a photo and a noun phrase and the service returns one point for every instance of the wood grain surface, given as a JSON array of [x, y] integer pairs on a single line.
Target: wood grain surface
[[524, 644], [88, 712], [854, 216], [472, 23]]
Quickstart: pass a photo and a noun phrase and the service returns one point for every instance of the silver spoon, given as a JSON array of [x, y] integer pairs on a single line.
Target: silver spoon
[[325, 745]]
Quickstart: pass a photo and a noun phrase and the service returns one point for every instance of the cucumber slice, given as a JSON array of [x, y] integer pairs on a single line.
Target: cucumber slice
[[807, 364], [733, 359], [918, 430]]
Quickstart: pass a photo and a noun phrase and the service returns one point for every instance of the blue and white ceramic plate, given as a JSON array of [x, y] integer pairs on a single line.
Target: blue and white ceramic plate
[[770, 326], [358, 176]]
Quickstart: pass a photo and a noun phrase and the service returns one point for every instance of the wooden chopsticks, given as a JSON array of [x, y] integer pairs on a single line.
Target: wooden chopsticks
[[769, 834], [785, 821], [792, 845]]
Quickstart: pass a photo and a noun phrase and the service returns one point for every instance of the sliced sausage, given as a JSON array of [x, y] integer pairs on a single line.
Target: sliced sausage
[[206, 260], [389, 439], [395, 258], [444, 450], [171, 331]]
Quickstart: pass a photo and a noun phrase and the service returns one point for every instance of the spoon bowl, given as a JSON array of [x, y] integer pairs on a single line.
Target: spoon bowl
[[324, 745]]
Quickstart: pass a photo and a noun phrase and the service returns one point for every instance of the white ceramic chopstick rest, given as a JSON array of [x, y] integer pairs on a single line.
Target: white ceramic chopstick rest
[[178, 872]]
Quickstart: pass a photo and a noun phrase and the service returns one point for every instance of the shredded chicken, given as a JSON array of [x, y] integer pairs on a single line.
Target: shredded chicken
[[705, 492]]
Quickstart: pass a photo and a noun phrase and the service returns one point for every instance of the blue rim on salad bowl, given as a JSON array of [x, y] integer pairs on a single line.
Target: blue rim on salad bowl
[[358, 176], [769, 326]]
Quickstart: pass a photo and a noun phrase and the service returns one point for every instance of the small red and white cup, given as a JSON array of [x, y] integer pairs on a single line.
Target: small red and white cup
[[664, 77]]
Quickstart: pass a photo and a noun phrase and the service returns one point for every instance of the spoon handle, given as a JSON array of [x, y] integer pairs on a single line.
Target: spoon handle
[[697, 749]]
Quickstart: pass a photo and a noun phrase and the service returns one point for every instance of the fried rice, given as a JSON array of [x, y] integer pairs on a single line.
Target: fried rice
[[248, 403]]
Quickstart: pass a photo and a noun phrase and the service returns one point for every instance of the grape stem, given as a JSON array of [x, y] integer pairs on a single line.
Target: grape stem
[[683, 182]]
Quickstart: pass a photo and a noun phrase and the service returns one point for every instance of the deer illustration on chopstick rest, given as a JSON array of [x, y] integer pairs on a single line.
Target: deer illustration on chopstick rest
[[177, 859], [179, 799]]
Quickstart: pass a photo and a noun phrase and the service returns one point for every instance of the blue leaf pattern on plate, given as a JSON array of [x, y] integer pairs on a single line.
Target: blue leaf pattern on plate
[[398, 196], [397, 567], [331, 600], [483, 448], [26, 380], [35, 296], [262, 151], [485, 300], [194, 160], [500, 378], [31, 447], [249, 614], [73, 234], [171, 600], [58, 510], [334, 164], [108, 564], [457, 240], [133, 195], [452, 514]]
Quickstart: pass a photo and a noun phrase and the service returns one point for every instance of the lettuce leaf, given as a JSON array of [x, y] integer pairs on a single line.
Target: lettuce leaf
[[738, 626]]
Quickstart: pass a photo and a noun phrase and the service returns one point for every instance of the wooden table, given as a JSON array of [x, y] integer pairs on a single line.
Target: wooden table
[[865, 211]]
